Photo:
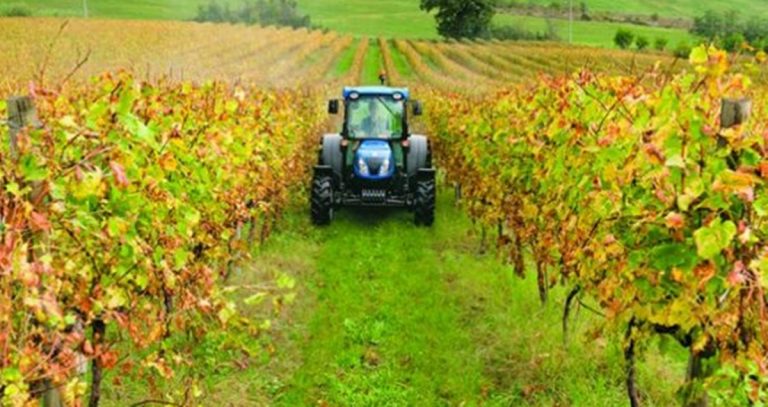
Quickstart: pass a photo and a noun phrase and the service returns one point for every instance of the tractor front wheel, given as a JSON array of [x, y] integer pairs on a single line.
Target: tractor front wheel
[[322, 200], [425, 202]]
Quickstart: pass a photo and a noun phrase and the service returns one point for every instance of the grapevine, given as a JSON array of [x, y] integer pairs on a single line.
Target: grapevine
[[629, 191], [123, 211]]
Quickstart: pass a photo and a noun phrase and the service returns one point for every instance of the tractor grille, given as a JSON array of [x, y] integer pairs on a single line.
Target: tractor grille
[[374, 195], [374, 164]]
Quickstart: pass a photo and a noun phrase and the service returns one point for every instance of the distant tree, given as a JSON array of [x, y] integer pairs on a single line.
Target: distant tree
[[709, 25], [660, 44], [584, 11], [655, 17], [462, 18], [756, 29], [729, 31], [642, 43], [16, 11], [623, 38], [733, 42]]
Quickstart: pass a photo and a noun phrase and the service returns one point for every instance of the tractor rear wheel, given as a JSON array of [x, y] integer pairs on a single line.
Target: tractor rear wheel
[[425, 202], [321, 205]]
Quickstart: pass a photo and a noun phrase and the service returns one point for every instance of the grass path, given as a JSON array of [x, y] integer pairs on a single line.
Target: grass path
[[384, 330], [392, 314]]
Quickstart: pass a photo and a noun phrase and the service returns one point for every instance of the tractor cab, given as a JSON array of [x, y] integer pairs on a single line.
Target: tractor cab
[[374, 160], [375, 130]]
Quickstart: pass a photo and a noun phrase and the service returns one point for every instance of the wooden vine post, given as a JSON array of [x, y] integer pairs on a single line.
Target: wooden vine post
[[733, 112], [22, 114]]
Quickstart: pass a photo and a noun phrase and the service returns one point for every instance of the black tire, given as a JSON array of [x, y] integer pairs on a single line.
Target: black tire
[[425, 202], [321, 205]]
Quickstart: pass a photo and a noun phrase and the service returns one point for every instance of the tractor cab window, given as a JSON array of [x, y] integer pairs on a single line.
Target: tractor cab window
[[378, 117]]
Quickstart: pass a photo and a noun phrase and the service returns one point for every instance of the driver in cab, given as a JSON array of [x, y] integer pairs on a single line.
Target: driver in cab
[[377, 123]]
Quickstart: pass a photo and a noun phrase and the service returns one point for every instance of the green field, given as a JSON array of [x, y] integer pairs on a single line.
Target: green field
[[385, 18], [376, 18], [138, 9], [596, 33]]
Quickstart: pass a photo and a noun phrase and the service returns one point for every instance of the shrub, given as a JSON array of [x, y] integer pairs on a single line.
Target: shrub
[[642, 43], [507, 32], [16, 11], [623, 38], [660, 44], [683, 50], [733, 42]]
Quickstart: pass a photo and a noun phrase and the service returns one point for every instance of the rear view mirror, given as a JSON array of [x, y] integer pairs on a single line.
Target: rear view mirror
[[417, 108], [333, 106]]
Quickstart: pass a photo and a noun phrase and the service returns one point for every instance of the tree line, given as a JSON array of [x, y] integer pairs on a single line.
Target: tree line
[[728, 30], [262, 12]]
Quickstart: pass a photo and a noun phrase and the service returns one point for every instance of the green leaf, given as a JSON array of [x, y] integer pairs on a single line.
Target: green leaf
[[139, 130], [32, 169], [669, 255], [699, 55], [711, 240], [255, 299], [180, 257], [10, 375], [13, 189], [286, 281], [761, 204], [675, 161], [116, 298], [761, 266], [96, 111]]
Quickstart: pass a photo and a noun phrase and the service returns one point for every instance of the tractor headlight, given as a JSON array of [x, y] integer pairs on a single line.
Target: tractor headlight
[[384, 167], [362, 167]]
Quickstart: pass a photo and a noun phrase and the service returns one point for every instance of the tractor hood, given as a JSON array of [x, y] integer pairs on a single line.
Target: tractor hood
[[374, 160]]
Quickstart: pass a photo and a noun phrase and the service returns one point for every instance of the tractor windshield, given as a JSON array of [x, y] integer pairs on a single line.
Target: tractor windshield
[[375, 117]]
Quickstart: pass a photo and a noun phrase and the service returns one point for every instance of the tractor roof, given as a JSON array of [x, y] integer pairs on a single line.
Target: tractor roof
[[375, 91]]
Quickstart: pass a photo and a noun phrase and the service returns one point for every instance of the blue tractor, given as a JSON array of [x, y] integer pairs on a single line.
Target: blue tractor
[[374, 160]]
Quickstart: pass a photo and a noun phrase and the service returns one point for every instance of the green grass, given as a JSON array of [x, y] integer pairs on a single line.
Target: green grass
[[137, 9], [386, 313], [374, 18], [372, 64], [596, 33], [400, 62], [346, 60]]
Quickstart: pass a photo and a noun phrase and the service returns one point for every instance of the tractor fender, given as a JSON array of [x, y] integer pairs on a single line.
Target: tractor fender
[[331, 154], [418, 154]]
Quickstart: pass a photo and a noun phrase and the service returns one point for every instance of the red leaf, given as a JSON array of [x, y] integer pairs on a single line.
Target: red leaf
[[675, 220], [108, 359], [737, 277], [119, 173], [87, 348], [39, 222]]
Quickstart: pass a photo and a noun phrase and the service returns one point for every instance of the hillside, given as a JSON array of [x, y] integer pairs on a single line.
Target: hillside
[[404, 19]]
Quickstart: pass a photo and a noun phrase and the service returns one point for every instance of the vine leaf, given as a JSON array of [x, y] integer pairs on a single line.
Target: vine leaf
[[711, 240]]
